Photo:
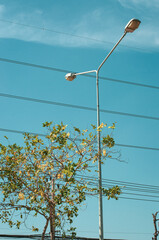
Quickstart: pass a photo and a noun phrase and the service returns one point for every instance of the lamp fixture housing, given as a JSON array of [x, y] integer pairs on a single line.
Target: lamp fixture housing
[[132, 25], [70, 76]]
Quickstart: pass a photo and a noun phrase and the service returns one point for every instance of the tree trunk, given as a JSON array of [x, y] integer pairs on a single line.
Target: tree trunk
[[52, 211], [155, 225], [52, 227], [44, 230]]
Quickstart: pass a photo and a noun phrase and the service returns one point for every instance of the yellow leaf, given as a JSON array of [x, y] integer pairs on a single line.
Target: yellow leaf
[[101, 126], [21, 196], [58, 214], [112, 127], [86, 130], [41, 193], [68, 134], [59, 176], [63, 128], [104, 152]]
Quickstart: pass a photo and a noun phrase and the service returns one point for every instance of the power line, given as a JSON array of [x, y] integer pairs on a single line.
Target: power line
[[94, 183], [134, 187], [120, 232], [32, 65], [136, 199], [129, 198], [139, 199], [133, 190], [146, 196], [120, 182], [43, 135], [124, 191], [21, 132], [135, 146], [125, 188], [76, 106], [142, 195], [66, 71], [66, 33], [131, 183]]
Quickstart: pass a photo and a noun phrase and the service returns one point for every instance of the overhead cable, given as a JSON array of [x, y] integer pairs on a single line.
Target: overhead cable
[[65, 33], [76, 106], [120, 182], [66, 71], [139, 199], [43, 135], [131, 198], [124, 188]]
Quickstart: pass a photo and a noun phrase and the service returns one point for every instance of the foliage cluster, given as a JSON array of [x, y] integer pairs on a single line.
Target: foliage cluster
[[41, 175]]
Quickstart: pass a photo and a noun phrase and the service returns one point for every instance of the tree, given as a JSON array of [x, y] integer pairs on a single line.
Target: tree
[[41, 176], [155, 225]]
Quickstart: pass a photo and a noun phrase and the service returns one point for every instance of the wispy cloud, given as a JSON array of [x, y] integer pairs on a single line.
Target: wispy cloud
[[89, 31], [2, 9], [147, 11], [140, 3], [95, 25]]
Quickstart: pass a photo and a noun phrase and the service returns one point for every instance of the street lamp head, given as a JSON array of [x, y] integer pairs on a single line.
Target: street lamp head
[[132, 25], [70, 76]]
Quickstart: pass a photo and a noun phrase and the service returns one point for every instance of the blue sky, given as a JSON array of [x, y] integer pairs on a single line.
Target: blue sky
[[43, 32]]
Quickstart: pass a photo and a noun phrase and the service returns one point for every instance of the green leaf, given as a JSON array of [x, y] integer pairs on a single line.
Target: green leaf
[[77, 130]]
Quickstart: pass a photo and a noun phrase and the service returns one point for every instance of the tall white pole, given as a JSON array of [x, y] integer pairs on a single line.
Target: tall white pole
[[101, 232], [130, 27], [101, 235]]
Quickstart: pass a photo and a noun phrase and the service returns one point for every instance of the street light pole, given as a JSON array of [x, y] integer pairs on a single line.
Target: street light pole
[[101, 235], [130, 27]]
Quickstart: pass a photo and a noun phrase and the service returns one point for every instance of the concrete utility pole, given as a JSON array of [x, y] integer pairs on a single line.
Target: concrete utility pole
[[155, 225]]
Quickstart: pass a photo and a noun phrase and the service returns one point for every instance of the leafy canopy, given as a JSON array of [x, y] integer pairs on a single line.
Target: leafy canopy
[[42, 176]]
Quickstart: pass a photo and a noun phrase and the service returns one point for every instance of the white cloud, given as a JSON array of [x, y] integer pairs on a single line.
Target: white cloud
[[140, 3], [2, 9], [93, 25], [89, 26], [149, 37]]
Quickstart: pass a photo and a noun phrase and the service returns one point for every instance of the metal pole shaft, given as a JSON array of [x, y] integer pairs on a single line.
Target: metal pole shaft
[[81, 73], [99, 164], [98, 136], [111, 51], [101, 232]]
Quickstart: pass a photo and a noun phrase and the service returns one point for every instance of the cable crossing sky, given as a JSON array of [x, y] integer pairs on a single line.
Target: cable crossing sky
[[66, 71]]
